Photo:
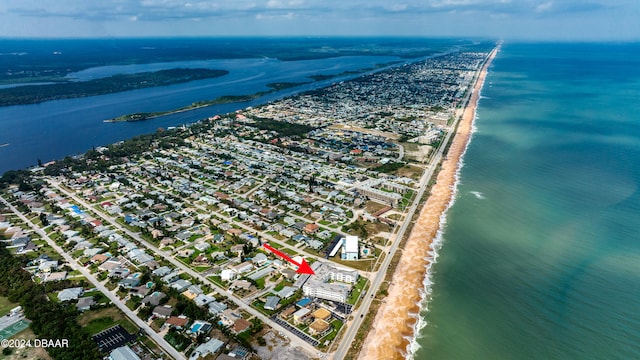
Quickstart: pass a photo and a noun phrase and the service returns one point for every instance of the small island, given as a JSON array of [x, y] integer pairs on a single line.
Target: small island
[[33, 94], [227, 99]]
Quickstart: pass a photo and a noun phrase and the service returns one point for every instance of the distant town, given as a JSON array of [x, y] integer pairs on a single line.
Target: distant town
[[154, 246]]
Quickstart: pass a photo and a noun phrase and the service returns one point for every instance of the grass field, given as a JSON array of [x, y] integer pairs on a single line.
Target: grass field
[[6, 305], [95, 321], [362, 265]]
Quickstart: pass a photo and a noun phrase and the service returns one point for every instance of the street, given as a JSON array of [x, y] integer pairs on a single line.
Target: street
[[154, 250], [114, 299]]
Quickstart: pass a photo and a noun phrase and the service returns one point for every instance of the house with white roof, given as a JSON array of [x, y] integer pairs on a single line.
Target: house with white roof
[[70, 294]]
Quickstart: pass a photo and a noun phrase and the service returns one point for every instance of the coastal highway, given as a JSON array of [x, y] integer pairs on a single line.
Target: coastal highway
[[345, 342], [358, 316], [296, 341], [114, 299]]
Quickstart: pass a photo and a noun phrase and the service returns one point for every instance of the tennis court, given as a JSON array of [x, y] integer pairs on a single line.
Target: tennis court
[[13, 329]]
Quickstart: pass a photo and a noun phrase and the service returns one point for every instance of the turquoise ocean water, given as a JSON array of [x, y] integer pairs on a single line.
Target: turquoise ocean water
[[540, 258]]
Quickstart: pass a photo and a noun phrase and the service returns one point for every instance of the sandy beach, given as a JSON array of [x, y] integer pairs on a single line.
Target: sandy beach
[[394, 323]]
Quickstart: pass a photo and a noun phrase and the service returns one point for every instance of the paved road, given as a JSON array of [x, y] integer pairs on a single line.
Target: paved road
[[358, 316], [294, 339], [263, 234], [73, 264]]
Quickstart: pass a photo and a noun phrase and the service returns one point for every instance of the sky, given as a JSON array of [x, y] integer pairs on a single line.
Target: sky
[[506, 19]]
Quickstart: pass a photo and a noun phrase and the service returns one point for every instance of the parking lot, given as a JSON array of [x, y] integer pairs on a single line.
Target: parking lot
[[112, 338]]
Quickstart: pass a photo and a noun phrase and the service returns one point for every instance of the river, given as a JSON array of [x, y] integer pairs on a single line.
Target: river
[[54, 129]]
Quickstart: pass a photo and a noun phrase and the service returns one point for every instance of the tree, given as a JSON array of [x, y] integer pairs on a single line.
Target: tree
[[247, 249], [145, 312], [43, 219]]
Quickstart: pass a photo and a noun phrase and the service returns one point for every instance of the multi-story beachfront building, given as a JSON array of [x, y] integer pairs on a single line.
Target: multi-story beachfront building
[[319, 285], [327, 291], [386, 197]]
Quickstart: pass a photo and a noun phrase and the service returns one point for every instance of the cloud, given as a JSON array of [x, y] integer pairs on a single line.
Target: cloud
[[399, 7], [544, 7], [162, 10], [271, 16], [476, 17], [157, 10], [279, 4]]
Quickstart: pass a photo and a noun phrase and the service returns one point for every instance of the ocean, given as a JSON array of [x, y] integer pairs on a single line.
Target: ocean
[[540, 256]]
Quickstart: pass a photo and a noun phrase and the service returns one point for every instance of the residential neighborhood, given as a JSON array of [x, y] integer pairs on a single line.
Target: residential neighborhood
[[159, 242]]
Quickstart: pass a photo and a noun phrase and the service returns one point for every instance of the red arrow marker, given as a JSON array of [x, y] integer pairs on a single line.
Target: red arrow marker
[[303, 268]]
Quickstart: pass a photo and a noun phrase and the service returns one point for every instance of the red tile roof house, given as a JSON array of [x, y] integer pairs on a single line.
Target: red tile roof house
[[311, 228], [240, 325], [179, 322]]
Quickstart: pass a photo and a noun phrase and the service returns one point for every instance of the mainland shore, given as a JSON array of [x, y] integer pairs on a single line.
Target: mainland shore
[[394, 324]]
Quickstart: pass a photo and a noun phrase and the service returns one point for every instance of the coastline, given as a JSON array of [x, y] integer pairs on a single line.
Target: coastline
[[396, 324]]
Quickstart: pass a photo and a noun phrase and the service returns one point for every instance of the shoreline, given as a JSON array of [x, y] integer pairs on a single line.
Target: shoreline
[[396, 324]]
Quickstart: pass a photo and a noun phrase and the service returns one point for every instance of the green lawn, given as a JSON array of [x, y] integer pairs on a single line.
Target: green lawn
[[259, 305], [282, 284], [275, 246], [6, 305], [217, 280], [183, 260], [336, 325], [290, 252], [95, 321], [76, 254], [133, 303], [177, 340], [357, 289], [99, 297]]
